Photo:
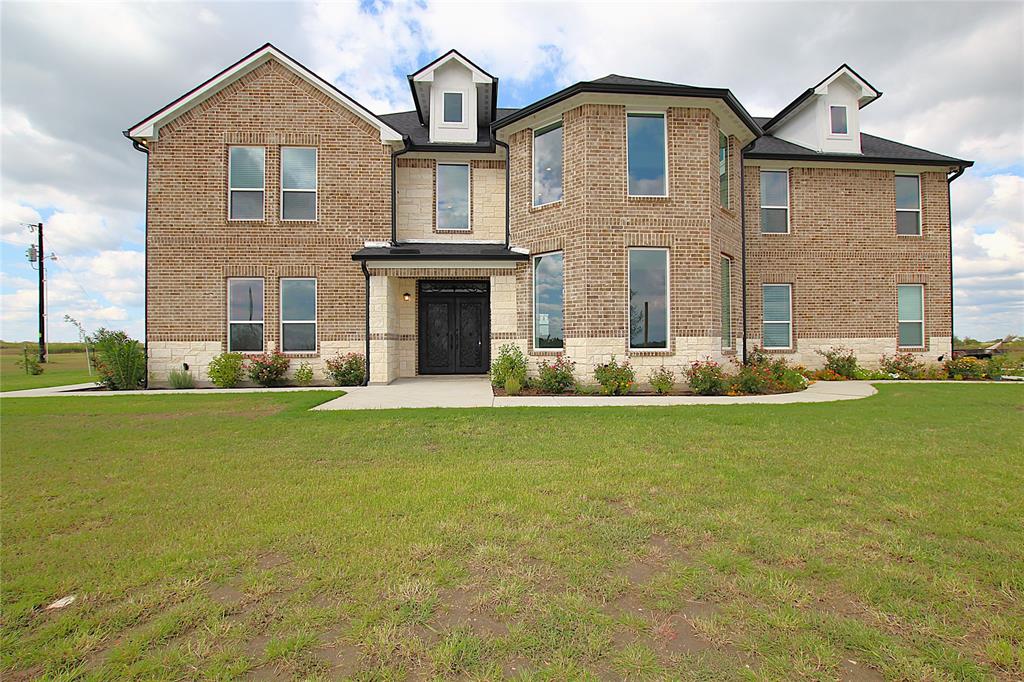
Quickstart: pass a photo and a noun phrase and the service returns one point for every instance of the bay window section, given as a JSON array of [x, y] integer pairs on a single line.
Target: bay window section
[[298, 183], [777, 314], [245, 315], [298, 314], [547, 164], [908, 205], [774, 202], [246, 182], [723, 169], [646, 155], [910, 314], [548, 300], [453, 196], [648, 298]]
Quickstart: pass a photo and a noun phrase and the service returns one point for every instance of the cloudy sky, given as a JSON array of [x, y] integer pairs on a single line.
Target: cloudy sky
[[75, 75]]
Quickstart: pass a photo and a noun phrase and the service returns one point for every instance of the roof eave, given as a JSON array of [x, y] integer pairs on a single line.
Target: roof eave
[[855, 158]]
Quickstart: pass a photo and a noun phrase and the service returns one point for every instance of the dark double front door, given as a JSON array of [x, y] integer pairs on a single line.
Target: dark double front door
[[454, 327]]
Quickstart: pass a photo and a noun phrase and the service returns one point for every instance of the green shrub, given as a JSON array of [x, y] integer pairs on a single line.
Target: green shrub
[[707, 378], [615, 379], [965, 368], [994, 368], [863, 374], [347, 370], [557, 377], [792, 380], [840, 360], [304, 374], [225, 370], [267, 369], [662, 380], [31, 364], [513, 385], [902, 366], [752, 379], [510, 363], [120, 361], [181, 378]]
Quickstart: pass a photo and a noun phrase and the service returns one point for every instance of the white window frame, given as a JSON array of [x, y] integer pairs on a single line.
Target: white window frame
[[469, 197], [664, 122], [533, 163], [918, 210], [789, 289], [315, 191], [901, 321], [730, 342], [533, 262], [441, 123], [263, 213], [263, 307], [282, 322], [668, 300], [789, 213], [846, 110]]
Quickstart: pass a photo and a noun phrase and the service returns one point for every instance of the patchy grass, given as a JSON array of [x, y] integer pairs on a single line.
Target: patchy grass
[[214, 536], [60, 369]]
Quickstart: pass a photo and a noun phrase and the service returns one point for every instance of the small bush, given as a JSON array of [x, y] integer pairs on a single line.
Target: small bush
[[120, 361], [225, 370], [348, 369], [994, 368], [304, 374], [753, 379], [827, 375], [965, 368], [513, 386], [707, 378], [31, 365], [902, 365], [934, 372], [557, 377], [615, 379], [267, 369], [792, 380], [840, 360], [510, 363], [662, 380], [871, 374], [181, 378]]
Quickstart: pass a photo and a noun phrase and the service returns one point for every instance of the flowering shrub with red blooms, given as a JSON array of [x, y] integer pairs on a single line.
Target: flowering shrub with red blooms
[[827, 375], [267, 369], [902, 365], [348, 369], [707, 378], [557, 377], [615, 379]]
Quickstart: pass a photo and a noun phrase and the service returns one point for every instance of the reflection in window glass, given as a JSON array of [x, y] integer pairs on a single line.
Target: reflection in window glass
[[452, 196], [645, 139], [774, 201], [548, 301], [648, 298], [245, 182], [547, 164], [298, 314], [245, 315], [908, 204]]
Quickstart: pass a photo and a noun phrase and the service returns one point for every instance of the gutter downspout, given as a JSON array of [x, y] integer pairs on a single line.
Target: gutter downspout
[[508, 190], [145, 239], [743, 250], [394, 196], [366, 275], [949, 206]]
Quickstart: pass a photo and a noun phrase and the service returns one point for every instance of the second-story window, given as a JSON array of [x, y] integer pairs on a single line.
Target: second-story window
[[453, 196], [723, 169], [908, 205], [838, 125], [647, 155], [246, 183], [452, 105], [298, 183], [774, 202], [547, 164]]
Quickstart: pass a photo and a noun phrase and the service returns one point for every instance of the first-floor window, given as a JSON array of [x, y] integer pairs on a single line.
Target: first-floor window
[[245, 315], [910, 311], [648, 298], [726, 302], [548, 300], [298, 314], [777, 312]]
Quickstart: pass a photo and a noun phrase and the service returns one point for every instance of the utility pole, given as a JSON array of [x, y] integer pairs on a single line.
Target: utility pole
[[35, 254]]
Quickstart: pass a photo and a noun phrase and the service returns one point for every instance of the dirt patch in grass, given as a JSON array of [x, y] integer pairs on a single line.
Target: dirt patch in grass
[[342, 658], [855, 671], [462, 607]]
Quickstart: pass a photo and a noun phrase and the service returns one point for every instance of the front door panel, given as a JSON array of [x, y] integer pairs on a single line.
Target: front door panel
[[436, 351], [472, 317], [454, 329]]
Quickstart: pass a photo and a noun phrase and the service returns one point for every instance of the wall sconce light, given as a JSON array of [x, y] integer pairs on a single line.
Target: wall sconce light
[[406, 297]]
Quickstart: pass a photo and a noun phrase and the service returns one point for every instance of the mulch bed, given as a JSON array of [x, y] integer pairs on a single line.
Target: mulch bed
[[639, 393]]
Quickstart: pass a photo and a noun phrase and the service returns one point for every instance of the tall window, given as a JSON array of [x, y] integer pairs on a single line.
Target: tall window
[[547, 164], [910, 314], [775, 202], [777, 312], [298, 314], [647, 155], [452, 104], [723, 169], [838, 124], [298, 183], [453, 196], [726, 302], [245, 315], [648, 298], [245, 182], [548, 300], [908, 204]]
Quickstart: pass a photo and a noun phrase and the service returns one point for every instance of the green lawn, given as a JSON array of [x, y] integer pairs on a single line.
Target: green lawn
[[60, 369], [211, 536]]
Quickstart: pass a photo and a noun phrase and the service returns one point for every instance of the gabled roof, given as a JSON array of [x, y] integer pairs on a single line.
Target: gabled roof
[[149, 127], [425, 76], [870, 94]]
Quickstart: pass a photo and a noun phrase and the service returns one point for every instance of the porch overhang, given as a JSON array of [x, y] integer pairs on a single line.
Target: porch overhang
[[461, 256]]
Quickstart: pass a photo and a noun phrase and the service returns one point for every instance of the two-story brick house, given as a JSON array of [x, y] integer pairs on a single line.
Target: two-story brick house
[[618, 217]]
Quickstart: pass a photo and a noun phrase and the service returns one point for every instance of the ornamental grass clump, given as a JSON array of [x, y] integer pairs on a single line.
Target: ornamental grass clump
[[707, 378], [662, 380], [120, 361], [557, 377], [268, 369], [347, 370], [181, 378], [225, 370], [615, 379], [304, 374]]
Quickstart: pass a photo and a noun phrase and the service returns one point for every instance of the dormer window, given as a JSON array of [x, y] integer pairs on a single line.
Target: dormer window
[[837, 119], [453, 108]]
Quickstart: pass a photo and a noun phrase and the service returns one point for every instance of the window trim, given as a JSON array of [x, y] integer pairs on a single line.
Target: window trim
[[924, 344], [441, 123], [664, 121], [918, 210], [533, 161], [533, 262], [263, 319], [761, 199], [281, 322], [469, 196], [668, 300], [263, 212], [728, 185], [728, 343], [315, 191], [789, 289], [832, 133]]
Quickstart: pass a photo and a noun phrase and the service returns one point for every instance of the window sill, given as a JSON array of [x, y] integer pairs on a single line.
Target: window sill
[[650, 351], [452, 230], [731, 212], [301, 354], [547, 352], [544, 207], [909, 235], [774, 234], [648, 198], [791, 349]]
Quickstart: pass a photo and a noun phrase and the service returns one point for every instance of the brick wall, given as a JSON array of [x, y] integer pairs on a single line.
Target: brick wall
[[416, 185]]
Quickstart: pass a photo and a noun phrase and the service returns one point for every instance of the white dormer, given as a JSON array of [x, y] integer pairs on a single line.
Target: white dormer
[[826, 118], [454, 97]]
